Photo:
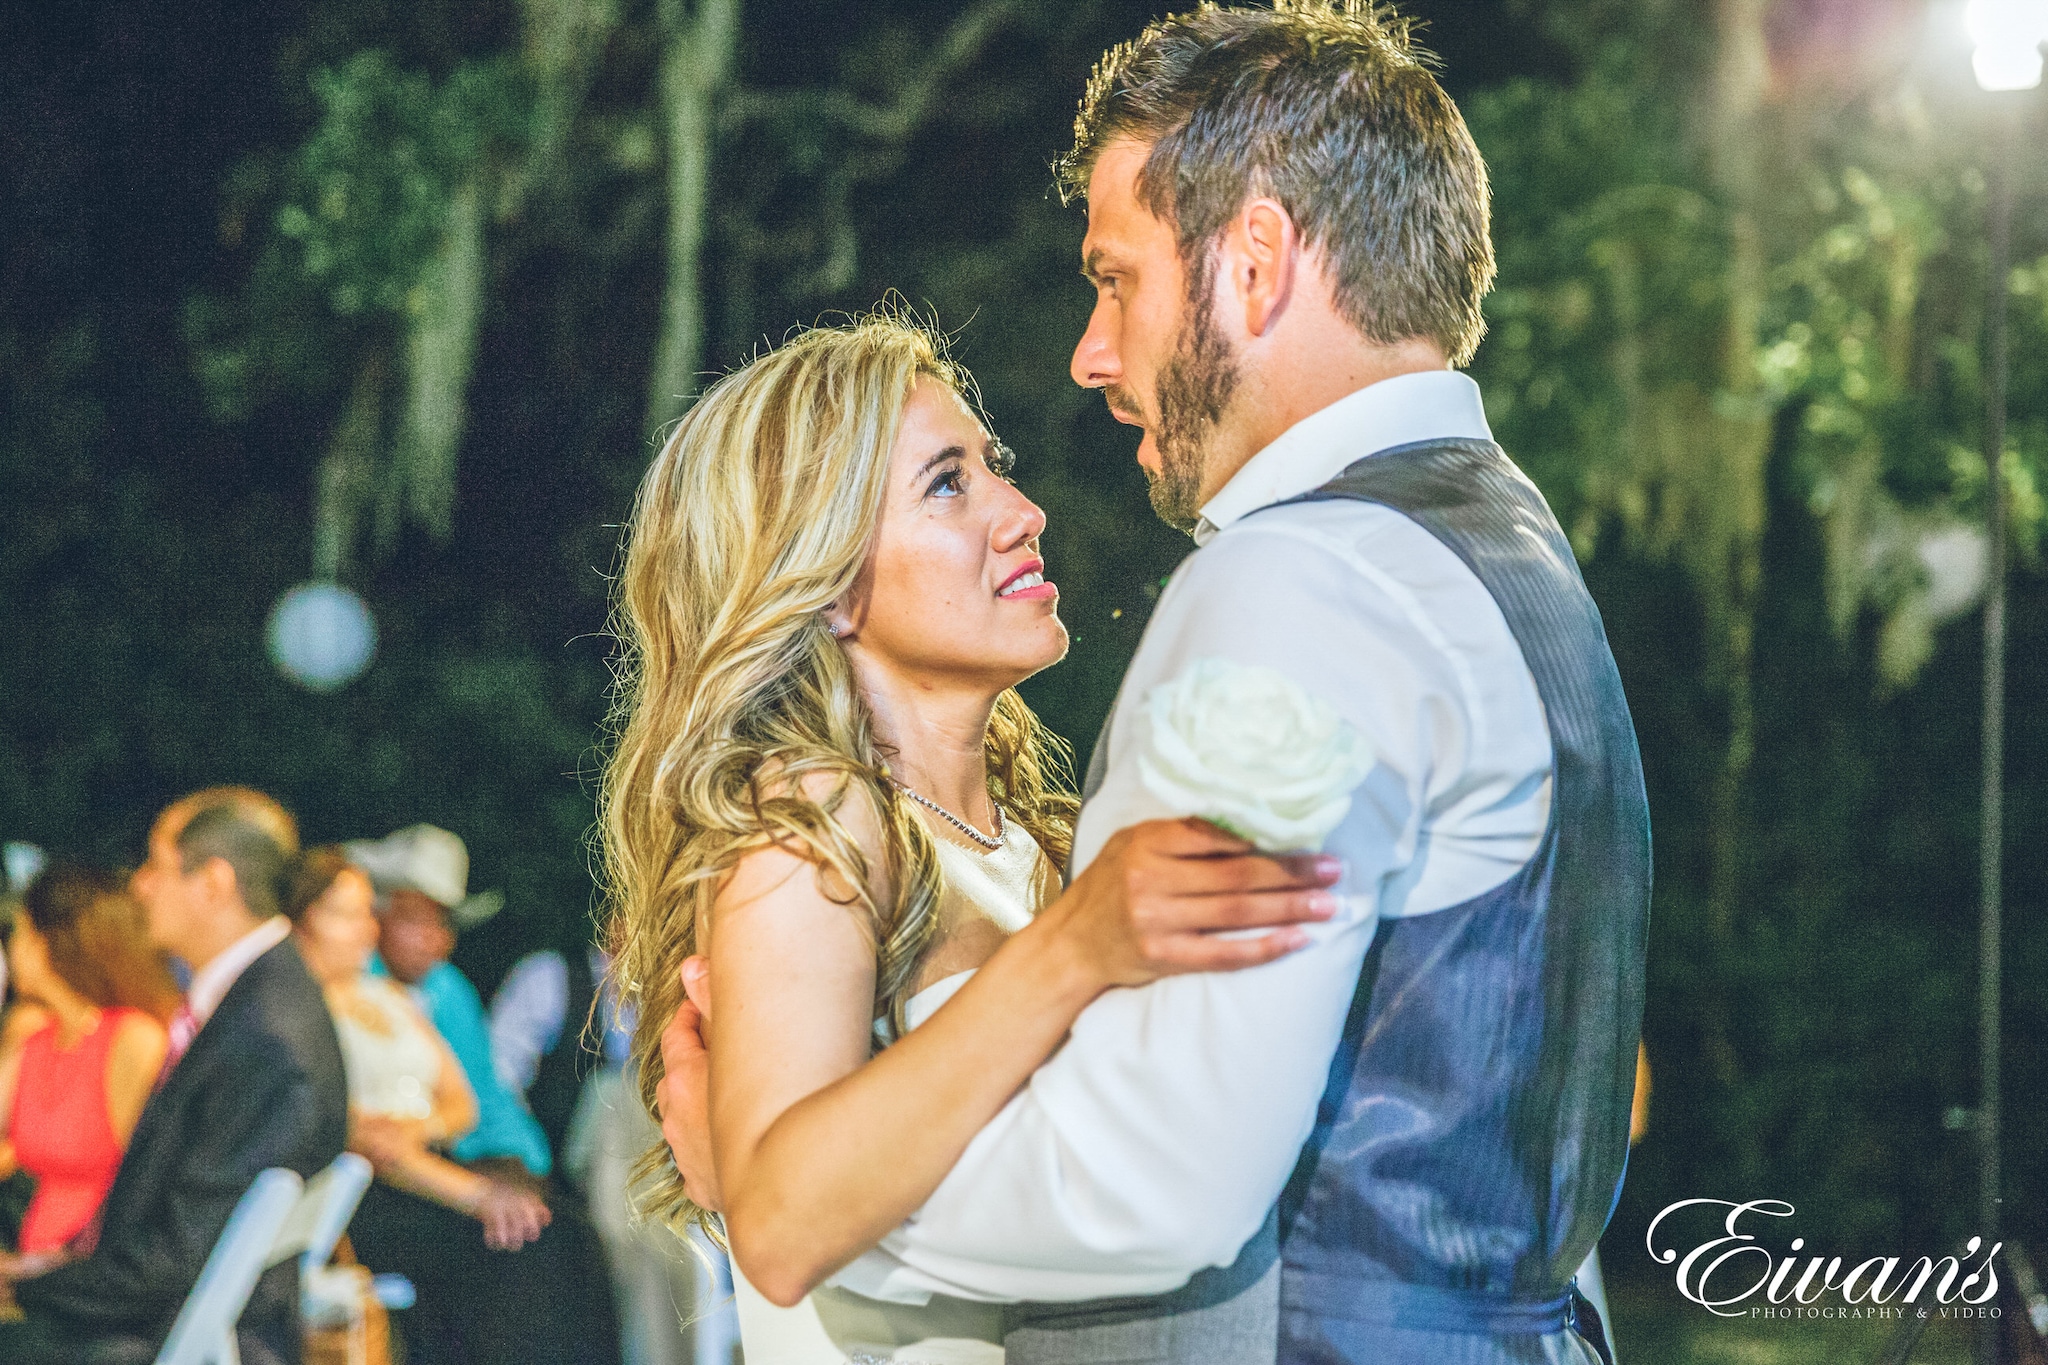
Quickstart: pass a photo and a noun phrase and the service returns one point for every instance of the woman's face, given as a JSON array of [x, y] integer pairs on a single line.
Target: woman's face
[[338, 932], [954, 591]]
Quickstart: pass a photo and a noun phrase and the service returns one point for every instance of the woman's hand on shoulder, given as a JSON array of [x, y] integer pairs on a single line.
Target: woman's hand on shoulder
[[1160, 896]]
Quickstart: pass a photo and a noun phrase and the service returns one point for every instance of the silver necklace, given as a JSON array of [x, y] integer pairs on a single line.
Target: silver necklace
[[957, 823]]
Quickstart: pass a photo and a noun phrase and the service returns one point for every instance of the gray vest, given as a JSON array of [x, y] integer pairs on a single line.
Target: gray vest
[[1469, 1147]]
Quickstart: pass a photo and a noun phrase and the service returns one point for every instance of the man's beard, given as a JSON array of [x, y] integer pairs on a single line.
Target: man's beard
[[1195, 388]]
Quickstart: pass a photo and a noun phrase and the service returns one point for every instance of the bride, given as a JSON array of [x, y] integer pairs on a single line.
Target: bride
[[825, 783]]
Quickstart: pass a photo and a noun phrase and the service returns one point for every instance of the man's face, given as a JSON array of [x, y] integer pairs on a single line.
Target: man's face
[[415, 936], [1152, 344], [173, 899]]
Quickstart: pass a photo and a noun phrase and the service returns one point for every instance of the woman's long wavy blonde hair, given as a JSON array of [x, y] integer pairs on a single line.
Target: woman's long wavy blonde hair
[[733, 700]]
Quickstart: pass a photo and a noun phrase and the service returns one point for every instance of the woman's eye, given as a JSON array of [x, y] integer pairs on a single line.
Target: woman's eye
[[947, 485]]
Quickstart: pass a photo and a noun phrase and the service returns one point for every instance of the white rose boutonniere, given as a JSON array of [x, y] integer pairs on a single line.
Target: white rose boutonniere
[[1251, 750]]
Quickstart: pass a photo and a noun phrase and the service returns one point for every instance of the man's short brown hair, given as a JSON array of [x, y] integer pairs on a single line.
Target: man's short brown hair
[[251, 831], [1329, 107]]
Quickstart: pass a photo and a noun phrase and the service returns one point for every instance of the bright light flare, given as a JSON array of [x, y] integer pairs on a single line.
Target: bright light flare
[[322, 636], [2008, 35]]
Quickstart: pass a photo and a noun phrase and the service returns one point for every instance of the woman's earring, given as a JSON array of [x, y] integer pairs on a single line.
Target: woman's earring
[[834, 629]]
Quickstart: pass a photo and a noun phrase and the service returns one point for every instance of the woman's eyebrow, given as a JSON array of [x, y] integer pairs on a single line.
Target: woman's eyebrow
[[949, 453]]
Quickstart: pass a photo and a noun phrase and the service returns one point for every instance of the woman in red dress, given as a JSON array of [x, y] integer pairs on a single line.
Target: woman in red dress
[[72, 1090]]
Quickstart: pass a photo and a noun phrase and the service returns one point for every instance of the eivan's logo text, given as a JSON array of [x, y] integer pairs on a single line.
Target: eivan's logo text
[[1717, 1274]]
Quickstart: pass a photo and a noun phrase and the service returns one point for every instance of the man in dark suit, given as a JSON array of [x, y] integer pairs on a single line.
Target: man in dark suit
[[254, 1080]]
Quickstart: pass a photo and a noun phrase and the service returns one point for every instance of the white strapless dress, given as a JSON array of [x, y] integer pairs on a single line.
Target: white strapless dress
[[834, 1326]]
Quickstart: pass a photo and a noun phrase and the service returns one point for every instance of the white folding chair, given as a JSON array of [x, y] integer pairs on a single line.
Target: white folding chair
[[330, 1296], [323, 1212], [204, 1333], [281, 1216]]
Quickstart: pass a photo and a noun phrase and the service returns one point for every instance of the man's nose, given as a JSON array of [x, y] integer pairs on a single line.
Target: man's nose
[[1096, 364]]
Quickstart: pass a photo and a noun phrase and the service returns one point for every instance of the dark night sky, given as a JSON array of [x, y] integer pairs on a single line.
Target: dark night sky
[[121, 120]]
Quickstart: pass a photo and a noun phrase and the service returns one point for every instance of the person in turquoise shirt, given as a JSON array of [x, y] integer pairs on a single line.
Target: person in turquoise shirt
[[504, 1128]]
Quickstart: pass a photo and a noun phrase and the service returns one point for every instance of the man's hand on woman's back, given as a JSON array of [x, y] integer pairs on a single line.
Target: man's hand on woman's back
[[684, 1097]]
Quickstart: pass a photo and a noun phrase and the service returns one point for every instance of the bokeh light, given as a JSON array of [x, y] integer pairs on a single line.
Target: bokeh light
[[322, 636]]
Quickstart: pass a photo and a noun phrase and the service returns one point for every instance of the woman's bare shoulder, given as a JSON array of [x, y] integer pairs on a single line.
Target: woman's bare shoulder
[[140, 1039], [782, 851], [22, 1021]]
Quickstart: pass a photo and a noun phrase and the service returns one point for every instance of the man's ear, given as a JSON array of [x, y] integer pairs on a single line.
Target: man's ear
[[1262, 253], [218, 875]]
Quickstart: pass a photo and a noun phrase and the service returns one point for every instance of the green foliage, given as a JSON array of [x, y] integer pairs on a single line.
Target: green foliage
[[376, 183], [358, 217], [1610, 298], [1793, 998]]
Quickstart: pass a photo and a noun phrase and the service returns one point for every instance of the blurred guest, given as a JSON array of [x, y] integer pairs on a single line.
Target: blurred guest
[[575, 1081], [20, 863], [17, 1187], [409, 1096], [71, 1092], [254, 1080], [421, 877]]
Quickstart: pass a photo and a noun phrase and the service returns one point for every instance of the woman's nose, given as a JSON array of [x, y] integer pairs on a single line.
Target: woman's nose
[[1021, 522]]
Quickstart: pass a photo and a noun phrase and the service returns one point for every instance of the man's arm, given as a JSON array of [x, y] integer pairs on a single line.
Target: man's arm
[[527, 1015], [1154, 1144]]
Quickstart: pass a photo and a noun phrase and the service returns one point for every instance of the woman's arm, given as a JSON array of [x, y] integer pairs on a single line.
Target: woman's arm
[[134, 1062], [20, 1022], [455, 1107], [511, 1216], [821, 1151]]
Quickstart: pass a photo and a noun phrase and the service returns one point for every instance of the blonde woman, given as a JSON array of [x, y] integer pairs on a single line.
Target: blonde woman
[[826, 785]]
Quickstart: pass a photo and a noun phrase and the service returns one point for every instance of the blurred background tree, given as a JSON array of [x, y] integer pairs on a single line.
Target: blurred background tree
[[399, 294]]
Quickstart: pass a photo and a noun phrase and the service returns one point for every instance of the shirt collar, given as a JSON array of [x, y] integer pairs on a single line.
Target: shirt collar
[[211, 983], [1429, 405]]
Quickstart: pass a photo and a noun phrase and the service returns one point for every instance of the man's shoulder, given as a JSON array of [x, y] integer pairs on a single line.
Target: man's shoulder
[[277, 980], [276, 1008], [1343, 527], [1313, 559], [446, 986]]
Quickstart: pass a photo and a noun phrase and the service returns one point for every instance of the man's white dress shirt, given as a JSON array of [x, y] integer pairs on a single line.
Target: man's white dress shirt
[[1154, 1143], [211, 983]]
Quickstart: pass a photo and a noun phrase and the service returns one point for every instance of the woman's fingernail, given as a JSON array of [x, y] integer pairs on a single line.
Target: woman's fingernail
[[1322, 904], [1329, 865]]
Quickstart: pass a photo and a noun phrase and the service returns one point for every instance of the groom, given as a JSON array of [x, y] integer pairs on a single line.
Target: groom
[[1397, 1145]]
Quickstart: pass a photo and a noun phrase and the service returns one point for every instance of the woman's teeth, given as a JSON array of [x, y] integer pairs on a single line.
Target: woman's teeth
[[1030, 580]]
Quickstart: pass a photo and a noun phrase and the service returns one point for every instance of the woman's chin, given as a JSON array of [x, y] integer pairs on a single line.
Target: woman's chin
[[1053, 650]]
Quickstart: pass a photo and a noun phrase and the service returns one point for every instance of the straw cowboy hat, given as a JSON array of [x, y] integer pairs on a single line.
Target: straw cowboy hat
[[431, 861]]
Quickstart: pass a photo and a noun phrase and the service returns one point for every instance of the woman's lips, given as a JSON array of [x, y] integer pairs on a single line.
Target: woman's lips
[[1028, 582]]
